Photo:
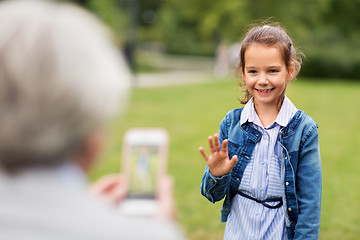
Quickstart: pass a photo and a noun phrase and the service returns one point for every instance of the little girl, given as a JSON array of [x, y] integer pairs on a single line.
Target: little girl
[[265, 160]]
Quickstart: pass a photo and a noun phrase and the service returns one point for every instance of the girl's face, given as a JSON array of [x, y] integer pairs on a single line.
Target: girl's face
[[265, 74]]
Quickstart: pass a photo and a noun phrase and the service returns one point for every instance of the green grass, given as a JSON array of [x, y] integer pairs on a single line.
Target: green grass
[[191, 113]]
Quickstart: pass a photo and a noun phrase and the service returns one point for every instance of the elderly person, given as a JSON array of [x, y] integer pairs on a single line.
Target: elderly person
[[60, 81]]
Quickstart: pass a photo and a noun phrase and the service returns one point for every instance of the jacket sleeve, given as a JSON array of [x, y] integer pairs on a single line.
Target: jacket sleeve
[[215, 188], [309, 186]]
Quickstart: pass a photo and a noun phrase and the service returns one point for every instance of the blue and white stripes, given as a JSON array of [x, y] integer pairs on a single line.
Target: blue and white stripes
[[262, 179]]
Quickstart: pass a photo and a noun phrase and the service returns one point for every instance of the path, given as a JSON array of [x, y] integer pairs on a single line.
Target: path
[[176, 70], [170, 78]]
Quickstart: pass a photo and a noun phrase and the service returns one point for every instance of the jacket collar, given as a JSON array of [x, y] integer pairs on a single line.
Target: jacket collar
[[285, 114], [292, 125], [256, 135]]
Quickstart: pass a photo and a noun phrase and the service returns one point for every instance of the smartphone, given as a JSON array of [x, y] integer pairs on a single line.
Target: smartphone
[[144, 162]]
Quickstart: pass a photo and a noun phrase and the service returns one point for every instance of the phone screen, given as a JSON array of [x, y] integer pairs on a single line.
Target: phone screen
[[143, 171], [144, 162]]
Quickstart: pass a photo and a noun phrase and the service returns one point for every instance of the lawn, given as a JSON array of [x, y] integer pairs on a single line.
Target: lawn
[[191, 113]]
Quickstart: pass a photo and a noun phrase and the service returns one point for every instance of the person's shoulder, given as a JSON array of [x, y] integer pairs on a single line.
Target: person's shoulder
[[232, 116], [303, 124], [234, 113], [153, 228], [108, 223], [307, 120], [231, 119], [300, 123]]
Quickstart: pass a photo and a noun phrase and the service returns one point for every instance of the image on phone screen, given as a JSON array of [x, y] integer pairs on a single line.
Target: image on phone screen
[[143, 171]]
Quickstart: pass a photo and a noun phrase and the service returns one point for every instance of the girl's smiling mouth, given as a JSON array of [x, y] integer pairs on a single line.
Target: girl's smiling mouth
[[264, 91]]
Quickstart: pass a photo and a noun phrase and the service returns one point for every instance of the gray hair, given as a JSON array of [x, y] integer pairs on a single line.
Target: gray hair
[[60, 78]]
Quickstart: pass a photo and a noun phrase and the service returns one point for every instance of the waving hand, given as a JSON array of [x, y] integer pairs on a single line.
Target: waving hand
[[218, 161]]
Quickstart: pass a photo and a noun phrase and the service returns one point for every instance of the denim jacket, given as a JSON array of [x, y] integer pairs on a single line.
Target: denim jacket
[[300, 171]]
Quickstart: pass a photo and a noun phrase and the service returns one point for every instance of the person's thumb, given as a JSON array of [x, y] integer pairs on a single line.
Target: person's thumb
[[233, 161]]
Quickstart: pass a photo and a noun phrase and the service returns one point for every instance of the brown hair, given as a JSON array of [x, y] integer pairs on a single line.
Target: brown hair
[[274, 36]]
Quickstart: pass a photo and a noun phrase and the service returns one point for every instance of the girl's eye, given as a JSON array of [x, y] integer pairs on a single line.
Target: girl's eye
[[273, 71], [252, 71]]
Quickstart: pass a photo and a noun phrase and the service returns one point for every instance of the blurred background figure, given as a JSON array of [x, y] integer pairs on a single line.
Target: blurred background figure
[[61, 80], [221, 66]]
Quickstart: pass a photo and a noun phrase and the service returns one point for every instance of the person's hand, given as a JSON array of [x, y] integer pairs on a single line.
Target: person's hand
[[112, 188], [165, 197], [218, 162]]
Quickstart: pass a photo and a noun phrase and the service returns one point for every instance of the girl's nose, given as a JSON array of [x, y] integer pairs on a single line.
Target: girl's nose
[[263, 79]]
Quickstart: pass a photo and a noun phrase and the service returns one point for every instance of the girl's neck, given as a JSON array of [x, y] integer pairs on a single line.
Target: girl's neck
[[268, 112]]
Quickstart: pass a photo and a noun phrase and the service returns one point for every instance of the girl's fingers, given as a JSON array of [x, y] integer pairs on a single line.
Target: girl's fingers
[[224, 146], [203, 153], [211, 144], [216, 143]]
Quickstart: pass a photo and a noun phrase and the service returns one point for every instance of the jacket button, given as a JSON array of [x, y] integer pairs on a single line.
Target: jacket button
[[287, 183], [212, 181], [289, 209]]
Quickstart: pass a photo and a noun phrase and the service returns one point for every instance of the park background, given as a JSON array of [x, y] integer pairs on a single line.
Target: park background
[[172, 48]]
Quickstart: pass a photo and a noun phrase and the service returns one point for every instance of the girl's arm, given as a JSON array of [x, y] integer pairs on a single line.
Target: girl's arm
[[308, 187], [216, 176]]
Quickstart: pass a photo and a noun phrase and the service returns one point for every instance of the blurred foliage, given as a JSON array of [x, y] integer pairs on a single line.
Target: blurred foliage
[[113, 13], [325, 30]]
